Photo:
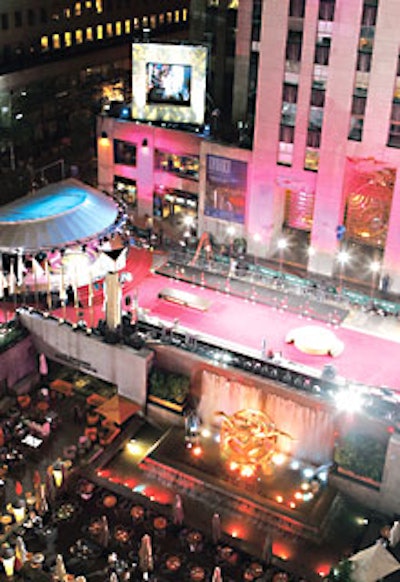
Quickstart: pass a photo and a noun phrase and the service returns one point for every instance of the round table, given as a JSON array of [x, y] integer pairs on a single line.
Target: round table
[[197, 574], [110, 501], [248, 575], [194, 538], [173, 563], [160, 523], [137, 512], [256, 569], [121, 534]]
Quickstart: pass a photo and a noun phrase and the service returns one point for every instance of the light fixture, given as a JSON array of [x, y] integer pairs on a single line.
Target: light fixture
[[145, 143], [58, 475], [104, 135], [8, 559]]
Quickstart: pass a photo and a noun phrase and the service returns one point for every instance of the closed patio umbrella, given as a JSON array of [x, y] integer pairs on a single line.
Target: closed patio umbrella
[[177, 510], [146, 555], [394, 535], [43, 367], [60, 569], [217, 576]]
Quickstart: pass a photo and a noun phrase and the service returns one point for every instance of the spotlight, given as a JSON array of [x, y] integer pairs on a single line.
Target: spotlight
[[145, 143]]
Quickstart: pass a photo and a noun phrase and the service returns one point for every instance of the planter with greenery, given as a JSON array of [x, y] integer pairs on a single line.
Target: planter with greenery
[[361, 456], [168, 389]]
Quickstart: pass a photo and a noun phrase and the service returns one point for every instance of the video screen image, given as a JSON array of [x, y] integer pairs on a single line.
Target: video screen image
[[168, 83]]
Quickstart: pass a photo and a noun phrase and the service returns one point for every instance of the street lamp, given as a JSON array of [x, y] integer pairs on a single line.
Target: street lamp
[[282, 245], [343, 258], [375, 267]]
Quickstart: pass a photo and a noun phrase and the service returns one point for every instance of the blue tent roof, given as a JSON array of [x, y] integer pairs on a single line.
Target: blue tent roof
[[58, 214]]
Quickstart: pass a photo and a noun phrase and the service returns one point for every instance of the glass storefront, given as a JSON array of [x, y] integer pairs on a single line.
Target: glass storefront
[[168, 202], [126, 189], [184, 166]]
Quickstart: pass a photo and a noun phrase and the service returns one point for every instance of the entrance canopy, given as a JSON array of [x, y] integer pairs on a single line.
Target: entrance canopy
[[56, 215]]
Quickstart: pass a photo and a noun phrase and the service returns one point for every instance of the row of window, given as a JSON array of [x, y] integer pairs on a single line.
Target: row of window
[[32, 17], [186, 166], [111, 29]]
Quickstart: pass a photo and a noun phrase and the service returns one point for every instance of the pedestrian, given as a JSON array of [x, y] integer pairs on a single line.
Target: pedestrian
[[216, 528]]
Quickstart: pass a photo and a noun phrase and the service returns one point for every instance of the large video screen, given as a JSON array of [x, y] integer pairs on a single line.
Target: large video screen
[[168, 82]]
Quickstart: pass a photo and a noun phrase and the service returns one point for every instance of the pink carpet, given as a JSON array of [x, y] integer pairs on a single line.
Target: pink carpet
[[365, 358]]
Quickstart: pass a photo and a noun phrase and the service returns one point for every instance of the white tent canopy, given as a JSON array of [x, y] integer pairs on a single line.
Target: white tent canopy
[[58, 214], [373, 563]]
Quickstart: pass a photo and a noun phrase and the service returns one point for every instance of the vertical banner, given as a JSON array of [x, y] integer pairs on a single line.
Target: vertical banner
[[226, 186]]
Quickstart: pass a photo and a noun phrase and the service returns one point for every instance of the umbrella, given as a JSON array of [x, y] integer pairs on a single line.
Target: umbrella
[[177, 510], [394, 535], [266, 552], [216, 528], [373, 563], [104, 537], [217, 576], [42, 506], [60, 570], [43, 367], [18, 488], [146, 554], [20, 553]]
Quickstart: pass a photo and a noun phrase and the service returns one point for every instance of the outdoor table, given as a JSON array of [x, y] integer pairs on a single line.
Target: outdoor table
[[110, 501], [256, 569], [160, 523], [280, 577], [121, 534], [96, 527], [194, 539], [137, 512], [197, 573], [248, 575], [227, 554], [173, 563]]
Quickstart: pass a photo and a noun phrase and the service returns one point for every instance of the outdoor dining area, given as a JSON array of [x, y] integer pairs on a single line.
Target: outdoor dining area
[[78, 530]]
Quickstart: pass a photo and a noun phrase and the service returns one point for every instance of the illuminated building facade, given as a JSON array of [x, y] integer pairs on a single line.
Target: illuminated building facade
[[318, 81], [33, 31]]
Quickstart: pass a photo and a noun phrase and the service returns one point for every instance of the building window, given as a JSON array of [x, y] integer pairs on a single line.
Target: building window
[[56, 41], [127, 26], [185, 14], [89, 34], [356, 128], [370, 11], [286, 134], [317, 96], [161, 19], [88, 4], [126, 190], [311, 161], [79, 36], [118, 28], [67, 12], [99, 6], [322, 51], [394, 135], [67, 39], [289, 93], [44, 43], [326, 10], [297, 8], [364, 61], [4, 22], [99, 32], [256, 20], [18, 19], [177, 15], [184, 166], [136, 23], [31, 17], [169, 17], [285, 154], [293, 45], [153, 21], [124, 153], [78, 8], [313, 138], [145, 21], [43, 15], [109, 29]]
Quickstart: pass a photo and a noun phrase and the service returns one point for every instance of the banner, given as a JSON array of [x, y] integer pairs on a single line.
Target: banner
[[226, 185]]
